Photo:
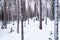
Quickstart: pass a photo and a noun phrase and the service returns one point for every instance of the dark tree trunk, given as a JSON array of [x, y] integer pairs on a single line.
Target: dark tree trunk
[[52, 8], [40, 14], [28, 11], [5, 14], [35, 9], [18, 18], [22, 17], [55, 19], [46, 12]]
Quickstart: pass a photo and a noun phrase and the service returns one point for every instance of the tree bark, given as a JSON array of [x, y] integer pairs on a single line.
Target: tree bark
[[22, 16], [5, 14], [28, 12], [46, 12], [55, 19], [18, 18], [40, 14]]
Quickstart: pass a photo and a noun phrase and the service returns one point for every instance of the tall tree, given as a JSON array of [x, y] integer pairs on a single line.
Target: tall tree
[[28, 12], [18, 18], [15, 11], [40, 14], [8, 14], [8, 11], [52, 9], [46, 12], [5, 19], [35, 7], [1, 12], [12, 13], [22, 16], [55, 19]]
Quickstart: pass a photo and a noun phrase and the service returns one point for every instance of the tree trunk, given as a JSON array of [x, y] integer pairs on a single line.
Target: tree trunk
[[46, 12], [22, 16], [15, 8], [36, 10], [55, 19], [28, 12], [18, 18], [40, 14], [5, 14]]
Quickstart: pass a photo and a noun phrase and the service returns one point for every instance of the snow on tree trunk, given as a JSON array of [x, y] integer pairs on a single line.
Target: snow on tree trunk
[[55, 20]]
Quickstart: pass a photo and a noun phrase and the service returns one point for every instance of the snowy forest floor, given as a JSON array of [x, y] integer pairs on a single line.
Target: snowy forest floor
[[31, 31]]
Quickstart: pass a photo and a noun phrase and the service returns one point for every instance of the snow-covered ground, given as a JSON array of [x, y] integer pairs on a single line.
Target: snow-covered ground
[[31, 31]]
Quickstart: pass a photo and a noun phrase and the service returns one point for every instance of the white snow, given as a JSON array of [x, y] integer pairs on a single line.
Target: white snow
[[31, 31]]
